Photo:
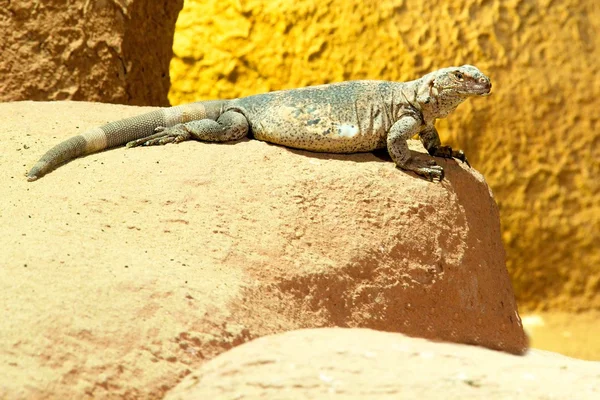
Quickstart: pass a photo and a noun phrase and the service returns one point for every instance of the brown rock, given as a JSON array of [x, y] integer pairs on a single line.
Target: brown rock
[[108, 51], [335, 363], [125, 270]]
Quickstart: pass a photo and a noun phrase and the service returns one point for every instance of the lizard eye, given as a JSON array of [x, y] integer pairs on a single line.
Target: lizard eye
[[459, 75]]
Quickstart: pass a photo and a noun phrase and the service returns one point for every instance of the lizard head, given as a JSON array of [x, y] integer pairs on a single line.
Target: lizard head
[[465, 81]]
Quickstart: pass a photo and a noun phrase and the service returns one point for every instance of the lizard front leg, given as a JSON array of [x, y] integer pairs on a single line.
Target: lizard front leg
[[405, 128], [231, 125], [431, 140]]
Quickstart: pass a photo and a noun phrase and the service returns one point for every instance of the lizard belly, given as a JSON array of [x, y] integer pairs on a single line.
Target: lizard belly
[[318, 130]]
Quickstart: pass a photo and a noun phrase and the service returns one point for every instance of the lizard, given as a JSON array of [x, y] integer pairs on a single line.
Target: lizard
[[344, 117]]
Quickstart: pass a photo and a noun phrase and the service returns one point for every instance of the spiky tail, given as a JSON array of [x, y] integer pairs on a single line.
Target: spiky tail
[[121, 132]]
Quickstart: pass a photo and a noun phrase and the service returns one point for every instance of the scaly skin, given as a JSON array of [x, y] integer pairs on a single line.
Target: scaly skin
[[345, 117]]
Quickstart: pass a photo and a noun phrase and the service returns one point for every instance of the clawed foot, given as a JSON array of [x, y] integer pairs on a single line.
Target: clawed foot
[[163, 135], [447, 152], [426, 168]]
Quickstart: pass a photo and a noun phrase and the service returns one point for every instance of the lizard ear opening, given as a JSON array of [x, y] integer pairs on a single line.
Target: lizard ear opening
[[424, 93]]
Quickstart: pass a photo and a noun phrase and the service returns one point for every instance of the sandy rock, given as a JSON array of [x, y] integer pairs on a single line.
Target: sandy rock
[[125, 270], [110, 51], [336, 363]]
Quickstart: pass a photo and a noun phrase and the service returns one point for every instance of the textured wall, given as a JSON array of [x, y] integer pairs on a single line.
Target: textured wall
[[536, 138]]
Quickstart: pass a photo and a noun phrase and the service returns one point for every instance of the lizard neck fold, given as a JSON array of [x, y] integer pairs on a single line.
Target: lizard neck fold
[[404, 101], [441, 105]]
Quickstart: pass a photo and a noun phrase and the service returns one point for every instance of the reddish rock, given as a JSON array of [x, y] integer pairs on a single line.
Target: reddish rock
[[109, 51]]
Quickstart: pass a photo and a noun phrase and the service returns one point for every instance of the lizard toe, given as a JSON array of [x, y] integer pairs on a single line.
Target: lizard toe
[[432, 173], [163, 135]]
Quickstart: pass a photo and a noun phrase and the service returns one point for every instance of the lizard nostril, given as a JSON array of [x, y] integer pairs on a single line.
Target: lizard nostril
[[485, 81]]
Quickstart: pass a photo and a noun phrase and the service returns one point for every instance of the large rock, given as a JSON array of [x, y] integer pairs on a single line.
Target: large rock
[[110, 51], [125, 270], [364, 364], [536, 139]]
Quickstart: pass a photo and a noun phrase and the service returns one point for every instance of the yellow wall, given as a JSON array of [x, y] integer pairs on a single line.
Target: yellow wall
[[536, 139]]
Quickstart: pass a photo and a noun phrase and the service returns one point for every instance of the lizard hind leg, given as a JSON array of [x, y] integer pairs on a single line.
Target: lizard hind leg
[[231, 125]]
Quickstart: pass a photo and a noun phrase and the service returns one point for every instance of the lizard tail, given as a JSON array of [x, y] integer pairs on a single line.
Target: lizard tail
[[121, 132]]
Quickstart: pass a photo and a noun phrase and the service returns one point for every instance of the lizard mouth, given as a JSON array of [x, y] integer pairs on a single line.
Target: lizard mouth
[[476, 87], [485, 87], [480, 89]]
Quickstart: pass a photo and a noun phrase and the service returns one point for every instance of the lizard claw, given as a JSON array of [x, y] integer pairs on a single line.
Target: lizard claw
[[448, 152], [163, 135], [426, 168], [461, 156], [432, 173]]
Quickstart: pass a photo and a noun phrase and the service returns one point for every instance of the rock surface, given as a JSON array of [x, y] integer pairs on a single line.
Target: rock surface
[[335, 363], [109, 51], [125, 270]]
